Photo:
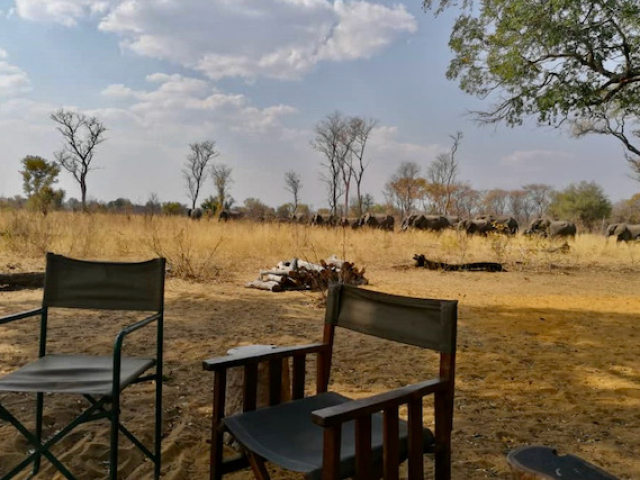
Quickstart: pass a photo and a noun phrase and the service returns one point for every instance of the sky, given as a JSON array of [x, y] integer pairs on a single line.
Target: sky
[[256, 77]]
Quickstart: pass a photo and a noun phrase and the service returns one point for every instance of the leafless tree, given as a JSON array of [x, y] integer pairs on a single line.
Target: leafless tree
[[360, 131], [495, 201], [293, 185], [405, 187], [81, 135], [333, 139], [196, 171], [466, 200], [540, 196], [442, 175], [519, 205], [222, 181]]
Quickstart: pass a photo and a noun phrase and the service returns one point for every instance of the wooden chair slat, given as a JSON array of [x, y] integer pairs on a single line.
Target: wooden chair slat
[[299, 373], [390, 445], [363, 448], [416, 468], [250, 390]]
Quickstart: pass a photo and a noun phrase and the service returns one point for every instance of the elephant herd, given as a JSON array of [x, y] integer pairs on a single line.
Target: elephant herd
[[481, 225]]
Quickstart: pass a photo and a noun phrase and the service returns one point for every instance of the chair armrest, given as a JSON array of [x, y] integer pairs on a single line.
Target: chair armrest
[[21, 315], [228, 361], [331, 416], [132, 328]]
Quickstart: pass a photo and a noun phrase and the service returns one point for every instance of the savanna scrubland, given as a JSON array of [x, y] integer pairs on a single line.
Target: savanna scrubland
[[547, 352]]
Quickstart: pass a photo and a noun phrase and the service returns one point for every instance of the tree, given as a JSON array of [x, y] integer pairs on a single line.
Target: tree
[[584, 201], [565, 61], [173, 208], [405, 187], [495, 201], [222, 181], [38, 178], [81, 135], [360, 130], [256, 209], [293, 184], [196, 171], [539, 194], [441, 176], [334, 142]]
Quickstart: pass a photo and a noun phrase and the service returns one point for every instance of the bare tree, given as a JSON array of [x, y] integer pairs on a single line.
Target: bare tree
[[442, 175], [293, 185], [195, 171], [222, 180], [519, 205], [360, 130], [82, 135], [540, 196], [466, 200], [495, 201], [334, 140], [405, 187]]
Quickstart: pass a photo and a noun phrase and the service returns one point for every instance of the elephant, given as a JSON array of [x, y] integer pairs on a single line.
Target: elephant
[[194, 213], [545, 227], [319, 219], [434, 223], [478, 226], [506, 225], [623, 232], [454, 220], [353, 222], [383, 222], [230, 215]]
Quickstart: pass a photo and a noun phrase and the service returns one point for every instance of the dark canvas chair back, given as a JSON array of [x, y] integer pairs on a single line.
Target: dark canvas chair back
[[71, 283], [413, 321]]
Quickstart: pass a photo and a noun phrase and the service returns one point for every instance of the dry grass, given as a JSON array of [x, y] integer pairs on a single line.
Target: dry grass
[[206, 249], [547, 353]]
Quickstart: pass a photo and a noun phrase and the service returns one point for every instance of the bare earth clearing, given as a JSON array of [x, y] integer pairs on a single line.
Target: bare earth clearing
[[544, 357]]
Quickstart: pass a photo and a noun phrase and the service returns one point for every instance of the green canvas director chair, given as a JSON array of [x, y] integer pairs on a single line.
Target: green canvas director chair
[[78, 284], [329, 436]]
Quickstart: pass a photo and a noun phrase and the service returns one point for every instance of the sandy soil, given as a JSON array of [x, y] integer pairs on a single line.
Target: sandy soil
[[543, 358]]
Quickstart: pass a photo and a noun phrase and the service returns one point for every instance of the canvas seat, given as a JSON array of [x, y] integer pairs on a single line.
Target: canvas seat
[[328, 435], [299, 443], [79, 284]]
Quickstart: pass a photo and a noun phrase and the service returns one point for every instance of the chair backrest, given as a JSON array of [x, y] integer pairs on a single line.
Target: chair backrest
[[414, 321], [71, 283]]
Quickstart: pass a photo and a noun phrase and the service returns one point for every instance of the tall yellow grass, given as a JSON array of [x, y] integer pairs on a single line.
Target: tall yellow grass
[[203, 250]]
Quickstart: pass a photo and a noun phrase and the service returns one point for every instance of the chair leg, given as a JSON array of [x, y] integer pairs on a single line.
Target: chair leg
[[38, 432], [113, 454], [158, 433], [257, 465]]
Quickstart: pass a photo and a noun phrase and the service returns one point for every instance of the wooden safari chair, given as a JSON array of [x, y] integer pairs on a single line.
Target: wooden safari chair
[[78, 284], [328, 435]]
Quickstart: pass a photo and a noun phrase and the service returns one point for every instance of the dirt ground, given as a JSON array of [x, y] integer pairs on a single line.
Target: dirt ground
[[543, 358]]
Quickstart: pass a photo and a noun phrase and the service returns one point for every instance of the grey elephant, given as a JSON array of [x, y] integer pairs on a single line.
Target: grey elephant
[[623, 232], [383, 222], [477, 226], [435, 223], [194, 213], [545, 227]]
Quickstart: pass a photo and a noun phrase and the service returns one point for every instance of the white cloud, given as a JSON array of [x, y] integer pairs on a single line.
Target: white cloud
[[65, 12], [535, 158], [281, 39], [13, 80], [183, 101]]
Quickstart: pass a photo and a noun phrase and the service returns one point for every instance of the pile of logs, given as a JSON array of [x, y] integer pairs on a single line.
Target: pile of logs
[[297, 274]]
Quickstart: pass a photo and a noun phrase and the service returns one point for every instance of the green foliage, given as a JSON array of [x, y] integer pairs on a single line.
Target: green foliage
[[255, 208], [172, 208], [572, 62], [585, 202], [38, 178]]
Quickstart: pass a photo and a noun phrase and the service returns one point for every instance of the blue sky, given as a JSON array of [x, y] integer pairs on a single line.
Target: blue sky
[[256, 76]]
